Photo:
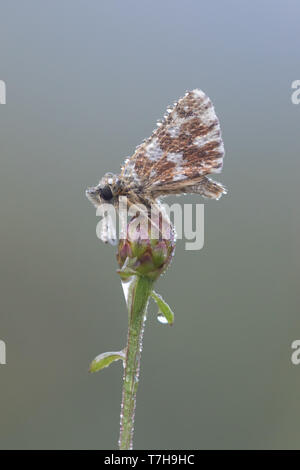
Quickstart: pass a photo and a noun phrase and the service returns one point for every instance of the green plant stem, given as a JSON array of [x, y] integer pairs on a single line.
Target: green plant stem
[[139, 292]]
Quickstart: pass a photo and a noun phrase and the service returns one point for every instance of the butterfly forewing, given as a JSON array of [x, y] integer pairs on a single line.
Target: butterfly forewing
[[184, 147]]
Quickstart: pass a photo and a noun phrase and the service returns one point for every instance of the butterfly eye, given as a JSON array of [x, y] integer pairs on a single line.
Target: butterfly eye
[[106, 193]]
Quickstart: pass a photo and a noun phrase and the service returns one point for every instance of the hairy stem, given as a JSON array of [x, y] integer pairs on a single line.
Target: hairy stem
[[139, 291]]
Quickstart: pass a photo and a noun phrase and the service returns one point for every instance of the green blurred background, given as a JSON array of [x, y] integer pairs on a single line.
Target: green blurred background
[[86, 82]]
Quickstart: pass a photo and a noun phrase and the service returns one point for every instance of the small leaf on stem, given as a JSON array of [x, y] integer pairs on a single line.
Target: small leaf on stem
[[105, 359], [164, 310]]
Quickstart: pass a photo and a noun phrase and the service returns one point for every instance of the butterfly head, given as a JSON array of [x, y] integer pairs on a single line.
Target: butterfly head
[[107, 191]]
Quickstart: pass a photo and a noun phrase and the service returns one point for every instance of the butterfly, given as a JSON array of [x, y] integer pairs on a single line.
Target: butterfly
[[185, 147]]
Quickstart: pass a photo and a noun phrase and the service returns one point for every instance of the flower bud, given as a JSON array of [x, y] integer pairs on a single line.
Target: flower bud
[[144, 251]]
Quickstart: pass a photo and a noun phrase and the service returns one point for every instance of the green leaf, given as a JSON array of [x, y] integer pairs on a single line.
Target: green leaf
[[105, 359], [163, 309]]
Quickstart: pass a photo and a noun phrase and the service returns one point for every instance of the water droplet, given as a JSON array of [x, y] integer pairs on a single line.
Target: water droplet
[[126, 285], [161, 318]]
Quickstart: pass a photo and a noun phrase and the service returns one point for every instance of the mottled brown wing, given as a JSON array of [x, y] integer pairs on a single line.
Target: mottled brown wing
[[184, 147]]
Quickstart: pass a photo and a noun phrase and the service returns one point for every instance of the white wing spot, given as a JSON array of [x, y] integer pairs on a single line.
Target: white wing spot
[[217, 170], [198, 93], [202, 140], [129, 172], [153, 150], [207, 116], [174, 131], [175, 158], [179, 176]]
